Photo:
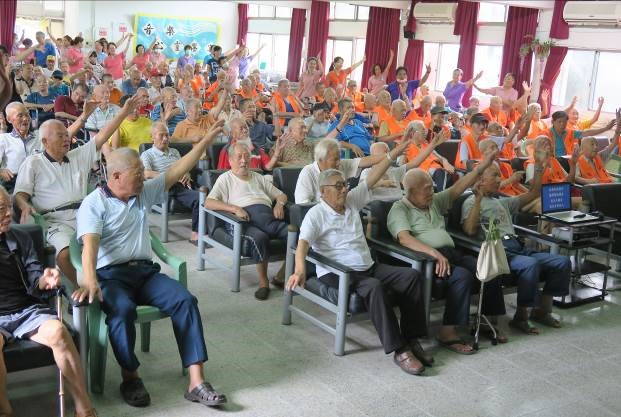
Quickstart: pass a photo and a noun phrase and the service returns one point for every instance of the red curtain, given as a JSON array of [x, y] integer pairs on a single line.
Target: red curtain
[[467, 27], [296, 39], [414, 57], [383, 33], [242, 25], [559, 28], [318, 31], [8, 10], [521, 23], [553, 68]]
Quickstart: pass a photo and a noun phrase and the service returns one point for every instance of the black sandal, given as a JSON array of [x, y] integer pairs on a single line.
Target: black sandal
[[206, 395], [134, 393]]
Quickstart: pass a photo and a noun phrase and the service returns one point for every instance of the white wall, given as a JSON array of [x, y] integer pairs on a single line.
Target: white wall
[[89, 16]]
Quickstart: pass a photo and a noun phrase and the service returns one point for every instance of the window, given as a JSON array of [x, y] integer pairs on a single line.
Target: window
[[492, 13], [487, 58], [351, 50], [273, 58], [443, 60], [57, 5], [575, 79], [269, 12], [607, 81], [345, 11], [431, 53]]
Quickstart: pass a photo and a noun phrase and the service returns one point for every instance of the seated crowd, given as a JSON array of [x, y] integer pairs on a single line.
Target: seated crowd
[[351, 147]]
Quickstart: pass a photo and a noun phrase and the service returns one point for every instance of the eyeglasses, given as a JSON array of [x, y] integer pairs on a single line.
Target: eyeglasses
[[339, 186]]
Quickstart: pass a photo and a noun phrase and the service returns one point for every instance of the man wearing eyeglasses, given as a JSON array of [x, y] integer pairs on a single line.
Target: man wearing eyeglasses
[[333, 229]]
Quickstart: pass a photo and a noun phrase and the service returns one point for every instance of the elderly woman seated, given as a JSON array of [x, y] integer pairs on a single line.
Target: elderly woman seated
[[250, 196], [528, 266]]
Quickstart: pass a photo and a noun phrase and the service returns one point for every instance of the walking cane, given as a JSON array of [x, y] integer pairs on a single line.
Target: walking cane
[[61, 386]]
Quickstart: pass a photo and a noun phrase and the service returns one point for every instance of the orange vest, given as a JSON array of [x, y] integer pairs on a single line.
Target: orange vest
[[598, 172], [280, 102], [211, 89], [473, 150], [426, 118], [395, 126], [500, 117], [537, 128], [568, 140], [430, 162], [508, 151], [382, 114], [253, 94], [553, 173], [512, 189], [357, 99]]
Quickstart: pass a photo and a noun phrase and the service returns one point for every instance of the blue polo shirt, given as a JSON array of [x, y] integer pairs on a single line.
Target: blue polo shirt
[[123, 228], [156, 115], [41, 56], [355, 133], [61, 90], [559, 143], [128, 89]]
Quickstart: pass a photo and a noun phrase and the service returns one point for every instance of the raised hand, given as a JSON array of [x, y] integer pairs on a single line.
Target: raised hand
[[575, 155], [438, 138], [428, 68], [600, 102], [545, 94], [50, 279], [479, 75], [89, 107], [488, 159], [526, 87]]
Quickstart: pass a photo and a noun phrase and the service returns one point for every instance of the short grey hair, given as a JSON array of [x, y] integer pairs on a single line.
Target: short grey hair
[[415, 126], [536, 106], [324, 176], [4, 193], [231, 149], [323, 147], [121, 159]]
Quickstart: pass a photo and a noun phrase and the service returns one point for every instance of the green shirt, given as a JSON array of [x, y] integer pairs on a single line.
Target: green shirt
[[428, 226], [500, 209]]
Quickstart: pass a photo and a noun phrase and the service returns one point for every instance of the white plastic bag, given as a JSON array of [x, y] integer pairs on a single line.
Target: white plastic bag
[[492, 260]]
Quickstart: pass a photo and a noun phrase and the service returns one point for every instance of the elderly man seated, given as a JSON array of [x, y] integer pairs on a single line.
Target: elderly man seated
[[134, 130], [54, 183], [318, 124], [293, 148], [591, 168], [393, 126], [169, 110], [435, 164], [530, 267], [238, 133], [350, 131], [495, 113], [42, 100], [389, 187], [158, 159], [564, 138], [250, 196], [70, 107], [261, 133], [16, 145], [133, 83], [510, 184], [327, 156], [333, 229], [113, 226], [104, 112], [417, 222], [24, 313], [196, 125], [286, 104]]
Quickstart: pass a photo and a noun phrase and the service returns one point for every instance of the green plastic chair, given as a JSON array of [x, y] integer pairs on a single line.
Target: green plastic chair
[[97, 328]]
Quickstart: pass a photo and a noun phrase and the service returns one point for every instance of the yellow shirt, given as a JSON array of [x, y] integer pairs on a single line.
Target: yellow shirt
[[133, 133]]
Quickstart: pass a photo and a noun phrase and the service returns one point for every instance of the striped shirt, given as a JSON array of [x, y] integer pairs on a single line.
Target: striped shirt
[[155, 160], [99, 118]]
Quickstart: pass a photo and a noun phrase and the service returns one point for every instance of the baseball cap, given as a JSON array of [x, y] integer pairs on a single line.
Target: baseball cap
[[438, 109], [58, 74], [50, 58], [479, 118]]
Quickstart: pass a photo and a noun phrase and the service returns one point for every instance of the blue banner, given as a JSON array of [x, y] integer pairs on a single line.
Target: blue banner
[[174, 32]]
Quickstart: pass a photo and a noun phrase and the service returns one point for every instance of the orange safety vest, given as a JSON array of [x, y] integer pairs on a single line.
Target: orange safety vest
[[568, 140], [500, 117], [598, 172], [280, 102], [425, 118], [211, 104], [430, 162], [253, 94], [512, 189], [537, 128], [508, 151], [395, 126], [357, 99], [473, 150], [382, 114], [553, 173]]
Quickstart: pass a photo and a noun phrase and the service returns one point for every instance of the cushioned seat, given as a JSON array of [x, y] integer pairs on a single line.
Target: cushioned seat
[[316, 286], [26, 354]]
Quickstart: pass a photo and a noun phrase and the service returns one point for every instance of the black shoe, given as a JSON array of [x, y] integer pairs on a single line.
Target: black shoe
[[418, 351], [134, 393], [262, 293]]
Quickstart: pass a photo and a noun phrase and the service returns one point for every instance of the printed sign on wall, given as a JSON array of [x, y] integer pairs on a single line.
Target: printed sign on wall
[[173, 33]]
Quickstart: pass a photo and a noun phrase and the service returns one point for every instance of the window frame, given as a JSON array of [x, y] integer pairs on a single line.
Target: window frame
[[271, 69], [356, 13], [505, 18], [273, 15], [354, 58]]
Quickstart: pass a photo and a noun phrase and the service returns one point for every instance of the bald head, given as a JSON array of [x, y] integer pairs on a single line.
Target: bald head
[[121, 159], [415, 178], [379, 148], [487, 145]]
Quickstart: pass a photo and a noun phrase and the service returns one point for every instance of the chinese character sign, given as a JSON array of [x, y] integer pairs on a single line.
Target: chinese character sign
[[173, 33]]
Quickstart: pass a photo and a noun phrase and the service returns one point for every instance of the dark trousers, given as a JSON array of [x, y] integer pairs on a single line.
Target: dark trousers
[[262, 227], [373, 285], [530, 267], [188, 198], [125, 286]]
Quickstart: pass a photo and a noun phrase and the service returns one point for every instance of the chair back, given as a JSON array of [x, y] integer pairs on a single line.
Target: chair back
[[297, 212], [183, 147], [285, 179], [602, 197], [379, 214], [454, 215], [448, 149], [213, 152]]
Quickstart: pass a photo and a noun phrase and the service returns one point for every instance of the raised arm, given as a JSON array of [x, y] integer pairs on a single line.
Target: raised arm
[[379, 169], [357, 64], [109, 128], [471, 82], [185, 164], [535, 188], [426, 76], [593, 132], [89, 108], [489, 91], [437, 139], [20, 56], [253, 56], [388, 64], [470, 178]]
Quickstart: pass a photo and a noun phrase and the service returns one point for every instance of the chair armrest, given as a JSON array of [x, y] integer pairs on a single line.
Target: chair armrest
[[384, 246], [226, 217], [614, 174], [176, 263], [330, 264], [525, 231]]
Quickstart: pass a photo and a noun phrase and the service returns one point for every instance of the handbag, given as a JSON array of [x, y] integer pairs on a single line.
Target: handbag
[[492, 260]]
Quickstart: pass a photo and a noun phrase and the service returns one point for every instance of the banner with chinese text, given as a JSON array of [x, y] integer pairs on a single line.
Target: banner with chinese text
[[174, 32]]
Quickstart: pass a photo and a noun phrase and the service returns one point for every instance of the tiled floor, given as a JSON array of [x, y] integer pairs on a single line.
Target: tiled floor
[[268, 369]]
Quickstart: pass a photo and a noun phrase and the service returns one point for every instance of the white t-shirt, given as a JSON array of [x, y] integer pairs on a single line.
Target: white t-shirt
[[395, 174], [339, 236], [307, 187], [231, 189], [51, 184], [13, 152]]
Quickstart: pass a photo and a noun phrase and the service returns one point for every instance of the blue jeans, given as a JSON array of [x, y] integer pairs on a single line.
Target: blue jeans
[[530, 267], [127, 285]]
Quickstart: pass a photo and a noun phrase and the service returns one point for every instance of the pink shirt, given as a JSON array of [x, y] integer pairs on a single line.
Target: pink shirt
[[376, 84], [114, 65], [309, 81], [510, 94], [75, 54], [141, 61]]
